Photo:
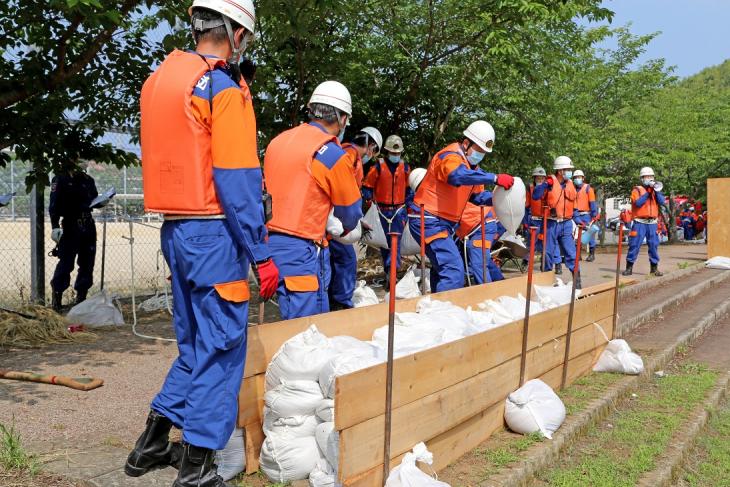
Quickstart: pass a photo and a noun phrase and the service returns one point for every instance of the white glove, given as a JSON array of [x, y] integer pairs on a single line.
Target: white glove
[[352, 237], [334, 225], [56, 234]]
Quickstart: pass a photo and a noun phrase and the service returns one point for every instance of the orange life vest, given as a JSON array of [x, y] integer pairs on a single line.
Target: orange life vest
[[557, 199], [177, 160], [584, 197], [300, 206], [626, 216], [357, 168], [536, 206], [390, 189], [650, 209], [472, 217], [439, 197]]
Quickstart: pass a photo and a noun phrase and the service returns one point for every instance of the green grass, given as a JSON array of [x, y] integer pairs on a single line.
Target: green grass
[[626, 445], [500, 456], [577, 396], [710, 462], [683, 265], [13, 456]]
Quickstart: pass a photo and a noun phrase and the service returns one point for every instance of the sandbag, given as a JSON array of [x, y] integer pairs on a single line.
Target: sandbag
[[335, 230], [554, 296], [294, 398], [617, 357], [376, 237], [408, 244], [509, 205], [407, 287], [231, 460], [285, 459], [326, 410], [408, 339], [718, 262], [323, 475], [98, 310], [407, 474], [364, 295], [534, 407], [299, 358], [328, 440], [293, 426], [345, 363]]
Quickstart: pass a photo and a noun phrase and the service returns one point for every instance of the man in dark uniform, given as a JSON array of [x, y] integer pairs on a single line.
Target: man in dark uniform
[[73, 230]]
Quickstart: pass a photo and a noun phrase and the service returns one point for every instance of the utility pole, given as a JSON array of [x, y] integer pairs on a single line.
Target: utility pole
[[37, 245]]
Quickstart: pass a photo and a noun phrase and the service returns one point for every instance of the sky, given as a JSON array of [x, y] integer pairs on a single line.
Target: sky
[[695, 34]]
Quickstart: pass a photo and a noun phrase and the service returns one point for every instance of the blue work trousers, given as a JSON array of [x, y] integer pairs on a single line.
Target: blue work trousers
[[560, 243], [639, 232], [343, 264], [393, 220]]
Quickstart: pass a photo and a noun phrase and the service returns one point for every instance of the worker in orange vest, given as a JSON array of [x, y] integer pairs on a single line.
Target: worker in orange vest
[[308, 174], [469, 238], [452, 180], [645, 203], [342, 254], [561, 196], [586, 208], [534, 210], [387, 184], [200, 169]]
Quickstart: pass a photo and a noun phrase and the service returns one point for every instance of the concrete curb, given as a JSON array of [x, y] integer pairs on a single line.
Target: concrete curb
[[652, 312], [545, 454], [639, 287], [674, 456]]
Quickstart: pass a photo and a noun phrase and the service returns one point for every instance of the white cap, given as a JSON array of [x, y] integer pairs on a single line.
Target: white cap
[[482, 134], [579, 173], [415, 178], [563, 162], [646, 171], [375, 134], [334, 94], [240, 11]]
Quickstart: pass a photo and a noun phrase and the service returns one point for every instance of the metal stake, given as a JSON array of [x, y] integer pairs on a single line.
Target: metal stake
[[526, 327], [543, 262], [576, 273], [618, 273], [423, 251], [484, 247], [389, 370]]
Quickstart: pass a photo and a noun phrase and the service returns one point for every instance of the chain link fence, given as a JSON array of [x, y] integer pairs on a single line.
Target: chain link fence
[[129, 257]]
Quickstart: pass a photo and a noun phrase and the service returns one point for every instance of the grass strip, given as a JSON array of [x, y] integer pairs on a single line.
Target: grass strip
[[710, 460]]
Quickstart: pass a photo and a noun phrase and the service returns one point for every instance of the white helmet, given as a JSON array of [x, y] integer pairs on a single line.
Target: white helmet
[[482, 134], [563, 162], [240, 11], [415, 178], [646, 171], [394, 144], [334, 94], [375, 134], [579, 173], [539, 171]]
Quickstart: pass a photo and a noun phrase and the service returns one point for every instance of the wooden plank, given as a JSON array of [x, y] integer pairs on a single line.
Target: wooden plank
[[361, 446], [265, 340], [607, 286], [254, 438], [251, 400], [359, 396], [718, 209]]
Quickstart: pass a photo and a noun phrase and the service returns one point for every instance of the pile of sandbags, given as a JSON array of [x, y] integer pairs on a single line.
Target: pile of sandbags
[[554, 296], [507, 309]]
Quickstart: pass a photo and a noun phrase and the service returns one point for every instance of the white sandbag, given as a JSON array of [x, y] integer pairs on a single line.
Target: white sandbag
[[509, 205], [285, 459], [554, 296], [480, 321], [300, 358], [376, 237], [407, 474], [407, 287], [294, 398], [417, 272], [408, 339], [534, 407], [98, 310], [408, 244], [345, 363], [617, 357], [323, 475], [718, 263], [328, 440], [231, 460], [500, 315], [335, 230], [293, 426], [364, 295], [326, 410]]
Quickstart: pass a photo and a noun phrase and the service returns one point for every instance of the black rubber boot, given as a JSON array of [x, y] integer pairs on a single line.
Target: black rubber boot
[[197, 468], [591, 256], [655, 270], [81, 296], [629, 269], [57, 301], [153, 449], [558, 269]]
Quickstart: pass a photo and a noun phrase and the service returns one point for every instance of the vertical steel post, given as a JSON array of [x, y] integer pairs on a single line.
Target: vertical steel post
[[389, 370], [618, 273], [528, 294], [568, 336]]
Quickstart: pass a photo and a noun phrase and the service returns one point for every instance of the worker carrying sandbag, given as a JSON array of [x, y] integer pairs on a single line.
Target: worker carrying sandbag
[[534, 210], [200, 169], [452, 180], [387, 185], [308, 173], [586, 209], [645, 202]]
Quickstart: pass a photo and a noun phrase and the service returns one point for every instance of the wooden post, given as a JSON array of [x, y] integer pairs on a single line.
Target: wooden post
[[618, 273], [576, 273], [389, 369], [484, 247], [528, 294], [423, 250]]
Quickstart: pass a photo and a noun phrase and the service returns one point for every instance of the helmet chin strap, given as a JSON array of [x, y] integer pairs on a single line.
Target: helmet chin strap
[[236, 53]]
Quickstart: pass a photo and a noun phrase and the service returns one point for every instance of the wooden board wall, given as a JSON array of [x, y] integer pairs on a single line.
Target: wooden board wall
[[718, 216]]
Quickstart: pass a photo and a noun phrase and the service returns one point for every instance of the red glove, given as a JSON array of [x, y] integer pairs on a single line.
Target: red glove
[[550, 181], [268, 276], [505, 180]]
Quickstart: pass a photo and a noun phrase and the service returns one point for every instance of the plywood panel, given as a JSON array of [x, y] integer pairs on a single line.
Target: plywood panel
[[251, 400], [359, 396], [718, 216]]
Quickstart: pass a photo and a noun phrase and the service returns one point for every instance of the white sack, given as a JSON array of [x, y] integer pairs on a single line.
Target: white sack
[[300, 358], [335, 229], [98, 310], [377, 237], [326, 410], [534, 407], [480, 321], [718, 263], [345, 363], [323, 475], [554, 296], [510, 205], [617, 357], [408, 339], [407, 474], [408, 244], [294, 398], [407, 287], [285, 459], [364, 296], [328, 440], [500, 315], [417, 272], [293, 426], [231, 460]]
